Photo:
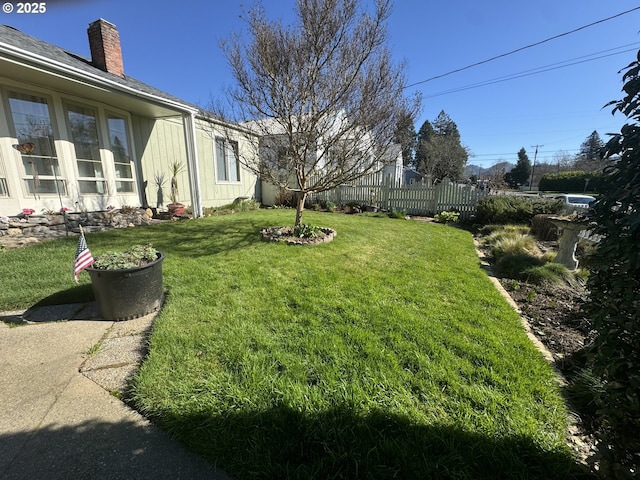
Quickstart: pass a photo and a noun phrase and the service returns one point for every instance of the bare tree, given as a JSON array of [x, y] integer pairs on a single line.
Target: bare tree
[[323, 94], [563, 160]]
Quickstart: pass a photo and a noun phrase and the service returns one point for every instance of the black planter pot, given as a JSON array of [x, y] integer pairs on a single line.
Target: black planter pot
[[129, 293]]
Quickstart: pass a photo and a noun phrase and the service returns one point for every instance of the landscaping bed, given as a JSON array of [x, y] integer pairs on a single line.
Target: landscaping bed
[[555, 316]]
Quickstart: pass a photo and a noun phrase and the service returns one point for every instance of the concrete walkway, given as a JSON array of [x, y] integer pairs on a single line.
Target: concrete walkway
[[59, 418]]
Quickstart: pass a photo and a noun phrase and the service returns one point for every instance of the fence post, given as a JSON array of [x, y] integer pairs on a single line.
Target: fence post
[[384, 193]]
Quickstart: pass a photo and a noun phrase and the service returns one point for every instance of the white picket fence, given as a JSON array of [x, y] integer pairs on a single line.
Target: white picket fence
[[417, 199]]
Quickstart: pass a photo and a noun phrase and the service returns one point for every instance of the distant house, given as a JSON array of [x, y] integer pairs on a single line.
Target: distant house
[[323, 155], [81, 134], [393, 168], [411, 176]]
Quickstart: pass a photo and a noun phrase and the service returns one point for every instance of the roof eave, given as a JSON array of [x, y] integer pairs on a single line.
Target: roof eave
[[71, 72]]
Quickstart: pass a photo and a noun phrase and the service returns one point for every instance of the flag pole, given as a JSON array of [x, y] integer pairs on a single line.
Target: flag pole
[[83, 257]]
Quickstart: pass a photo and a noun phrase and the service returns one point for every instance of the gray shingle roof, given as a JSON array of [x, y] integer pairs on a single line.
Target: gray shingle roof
[[15, 38]]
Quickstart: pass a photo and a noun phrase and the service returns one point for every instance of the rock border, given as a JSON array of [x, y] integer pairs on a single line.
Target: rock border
[[18, 231], [285, 235]]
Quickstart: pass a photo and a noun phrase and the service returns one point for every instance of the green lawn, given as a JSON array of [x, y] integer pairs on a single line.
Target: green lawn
[[386, 353]]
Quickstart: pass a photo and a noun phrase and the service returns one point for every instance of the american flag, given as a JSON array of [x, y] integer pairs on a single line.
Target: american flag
[[83, 257]]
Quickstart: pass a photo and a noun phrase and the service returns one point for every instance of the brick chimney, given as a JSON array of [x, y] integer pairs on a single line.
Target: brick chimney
[[104, 42]]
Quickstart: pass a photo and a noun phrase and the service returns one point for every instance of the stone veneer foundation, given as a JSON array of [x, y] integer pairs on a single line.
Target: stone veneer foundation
[[17, 231]]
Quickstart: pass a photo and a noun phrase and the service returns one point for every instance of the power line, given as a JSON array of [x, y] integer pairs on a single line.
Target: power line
[[531, 45], [535, 71], [512, 153]]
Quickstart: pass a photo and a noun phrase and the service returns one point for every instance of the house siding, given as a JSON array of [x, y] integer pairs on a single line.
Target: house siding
[[214, 191], [162, 141]]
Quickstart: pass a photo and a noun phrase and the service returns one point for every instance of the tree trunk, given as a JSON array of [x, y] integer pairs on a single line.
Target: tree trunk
[[302, 196]]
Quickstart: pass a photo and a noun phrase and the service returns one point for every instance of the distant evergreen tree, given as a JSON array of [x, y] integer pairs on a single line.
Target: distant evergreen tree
[[590, 157], [443, 125], [406, 137], [519, 175], [439, 153], [590, 149], [422, 160]]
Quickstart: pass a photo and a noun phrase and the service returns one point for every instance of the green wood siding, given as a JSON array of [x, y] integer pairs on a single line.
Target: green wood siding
[[160, 142]]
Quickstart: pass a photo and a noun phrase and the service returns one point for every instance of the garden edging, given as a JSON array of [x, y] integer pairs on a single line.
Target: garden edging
[[578, 442]]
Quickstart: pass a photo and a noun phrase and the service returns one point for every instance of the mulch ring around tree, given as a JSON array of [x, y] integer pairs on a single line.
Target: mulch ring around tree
[[285, 234]]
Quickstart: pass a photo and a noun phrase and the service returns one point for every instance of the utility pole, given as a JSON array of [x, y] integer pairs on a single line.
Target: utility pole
[[533, 168]]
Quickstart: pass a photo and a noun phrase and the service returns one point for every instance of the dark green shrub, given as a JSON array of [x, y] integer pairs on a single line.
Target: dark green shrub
[[575, 181], [512, 266], [286, 198], [614, 286], [502, 209]]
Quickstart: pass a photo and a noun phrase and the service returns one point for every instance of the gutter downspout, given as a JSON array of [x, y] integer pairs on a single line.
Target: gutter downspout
[[193, 167]]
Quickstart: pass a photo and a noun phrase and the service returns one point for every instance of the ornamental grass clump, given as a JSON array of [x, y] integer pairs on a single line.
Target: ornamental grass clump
[[553, 274], [136, 256], [512, 240]]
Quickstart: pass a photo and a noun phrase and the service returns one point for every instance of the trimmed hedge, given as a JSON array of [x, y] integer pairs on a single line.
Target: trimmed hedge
[[574, 181], [504, 209]]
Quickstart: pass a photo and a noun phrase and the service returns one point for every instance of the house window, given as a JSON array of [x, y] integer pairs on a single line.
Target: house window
[[32, 124], [84, 135], [4, 191], [118, 140], [227, 163]]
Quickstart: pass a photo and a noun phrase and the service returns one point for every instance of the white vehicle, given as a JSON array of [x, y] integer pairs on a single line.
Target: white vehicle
[[575, 200]]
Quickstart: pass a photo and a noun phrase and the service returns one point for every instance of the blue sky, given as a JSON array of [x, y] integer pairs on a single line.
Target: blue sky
[[174, 47]]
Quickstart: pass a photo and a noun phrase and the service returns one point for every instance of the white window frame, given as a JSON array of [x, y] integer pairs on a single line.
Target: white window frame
[[28, 179], [227, 146], [97, 180], [129, 180], [4, 189]]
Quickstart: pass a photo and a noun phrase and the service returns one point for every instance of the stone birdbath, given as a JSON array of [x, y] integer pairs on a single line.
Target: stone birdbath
[[569, 229]]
